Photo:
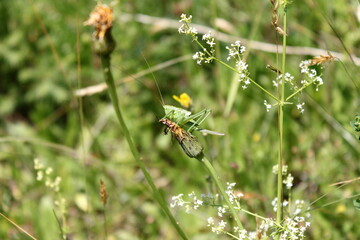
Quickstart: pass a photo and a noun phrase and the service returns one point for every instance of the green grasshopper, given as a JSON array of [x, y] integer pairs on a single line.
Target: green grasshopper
[[177, 119], [186, 119]]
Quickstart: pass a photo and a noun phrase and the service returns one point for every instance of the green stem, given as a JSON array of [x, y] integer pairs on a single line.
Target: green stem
[[105, 61], [299, 90], [279, 213], [216, 178]]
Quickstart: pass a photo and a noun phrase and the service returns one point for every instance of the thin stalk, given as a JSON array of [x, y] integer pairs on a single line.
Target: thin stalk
[[216, 178], [251, 80], [18, 227], [261, 217], [299, 90], [105, 223], [105, 61], [279, 212]]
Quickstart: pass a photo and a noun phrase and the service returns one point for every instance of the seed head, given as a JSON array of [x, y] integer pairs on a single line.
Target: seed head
[[101, 19], [103, 193]]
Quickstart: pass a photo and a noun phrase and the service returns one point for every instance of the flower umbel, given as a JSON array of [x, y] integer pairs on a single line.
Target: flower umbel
[[311, 74], [236, 51], [206, 55]]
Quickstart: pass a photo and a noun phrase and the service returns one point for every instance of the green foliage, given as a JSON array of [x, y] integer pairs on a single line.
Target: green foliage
[[40, 118]]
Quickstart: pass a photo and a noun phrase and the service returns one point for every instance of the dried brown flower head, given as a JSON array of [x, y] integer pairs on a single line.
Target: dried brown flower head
[[275, 18], [321, 60], [103, 193], [101, 18]]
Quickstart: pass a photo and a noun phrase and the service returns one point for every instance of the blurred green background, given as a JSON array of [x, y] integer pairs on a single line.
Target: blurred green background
[[40, 117]]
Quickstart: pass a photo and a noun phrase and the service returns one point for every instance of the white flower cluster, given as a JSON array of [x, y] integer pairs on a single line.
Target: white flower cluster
[[185, 28], [206, 55], [300, 107], [288, 181], [311, 74], [217, 223], [267, 106], [274, 204], [236, 51], [218, 227], [292, 227], [53, 184], [42, 172], [194, 203], [297, 208], [288, 79], [209, 39], [231, 194]]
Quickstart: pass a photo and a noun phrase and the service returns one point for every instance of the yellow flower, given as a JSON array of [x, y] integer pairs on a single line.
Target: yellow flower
[[183, 99], [256, 137], [341, 208]]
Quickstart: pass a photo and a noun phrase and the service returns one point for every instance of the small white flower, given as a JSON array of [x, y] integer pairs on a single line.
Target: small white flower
[[39, 175], [210, 221], [288, 181], [48, 170], [242, 49], [243, 234], [230, 186], [240, 195], [300, 107], [37, 164], [267, 106], [221, 211], [184, 18], [177, 201]]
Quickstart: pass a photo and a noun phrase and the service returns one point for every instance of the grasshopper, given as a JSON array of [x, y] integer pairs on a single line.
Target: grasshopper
[[177, 119], [186, 119]]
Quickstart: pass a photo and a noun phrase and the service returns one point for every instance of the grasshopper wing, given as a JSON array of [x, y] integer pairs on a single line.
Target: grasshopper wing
[[189, 143]]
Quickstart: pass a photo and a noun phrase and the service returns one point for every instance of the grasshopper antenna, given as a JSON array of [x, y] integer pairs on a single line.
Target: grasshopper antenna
[[156, 82]]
